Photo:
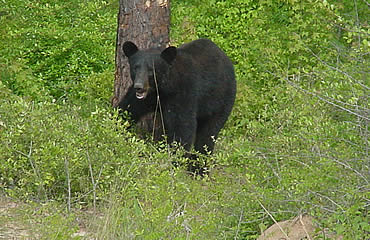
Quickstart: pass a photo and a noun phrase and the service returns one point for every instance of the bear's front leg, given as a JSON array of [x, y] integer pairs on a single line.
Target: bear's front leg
[[180, 129]]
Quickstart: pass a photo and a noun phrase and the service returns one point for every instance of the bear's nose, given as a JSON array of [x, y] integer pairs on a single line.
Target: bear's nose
[[138, 85]]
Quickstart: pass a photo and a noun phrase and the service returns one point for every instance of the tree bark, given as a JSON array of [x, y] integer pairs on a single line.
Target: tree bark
[[147, 24], [144, 22]]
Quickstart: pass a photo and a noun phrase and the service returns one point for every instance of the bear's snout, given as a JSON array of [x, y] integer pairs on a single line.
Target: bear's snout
[[141, 91], [139, 86]]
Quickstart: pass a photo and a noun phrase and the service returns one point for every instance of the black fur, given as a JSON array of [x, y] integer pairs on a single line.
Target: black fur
[[197, 91]]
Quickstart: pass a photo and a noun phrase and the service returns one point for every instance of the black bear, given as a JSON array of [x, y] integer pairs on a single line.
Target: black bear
[[195, 85]]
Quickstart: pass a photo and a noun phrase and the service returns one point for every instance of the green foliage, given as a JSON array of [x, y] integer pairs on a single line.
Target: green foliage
[[22, 82], [356, 218], [262, 37], [60, 43], [297, 140], [44, 144]]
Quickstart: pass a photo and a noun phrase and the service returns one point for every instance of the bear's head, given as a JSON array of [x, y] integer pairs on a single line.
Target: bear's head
[[148, 68]]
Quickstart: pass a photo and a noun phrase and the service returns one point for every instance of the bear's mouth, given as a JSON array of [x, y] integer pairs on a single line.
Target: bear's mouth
[[141, 93]]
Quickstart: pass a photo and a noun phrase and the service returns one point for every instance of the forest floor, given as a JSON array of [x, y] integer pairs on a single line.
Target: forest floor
[[11, 224], [26, 221]]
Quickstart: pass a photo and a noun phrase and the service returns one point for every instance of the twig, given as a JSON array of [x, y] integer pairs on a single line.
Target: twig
[[327, 101], [304, 227], [346, 166], [158, 100], [66, 166], [334, 68], [159, 105], [239, 223], [93, 181], [357, 21], [273, 219], [34, 168], [272, 168], [332, 201]]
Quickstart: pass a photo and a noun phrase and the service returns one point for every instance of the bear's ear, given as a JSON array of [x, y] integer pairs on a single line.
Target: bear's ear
[[169, 54], [129, 48]]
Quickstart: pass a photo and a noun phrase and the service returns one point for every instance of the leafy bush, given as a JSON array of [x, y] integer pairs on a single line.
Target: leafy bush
[[46, 146]]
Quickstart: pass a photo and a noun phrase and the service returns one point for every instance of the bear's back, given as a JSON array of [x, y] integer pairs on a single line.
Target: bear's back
[[206, 55], [203, 50]]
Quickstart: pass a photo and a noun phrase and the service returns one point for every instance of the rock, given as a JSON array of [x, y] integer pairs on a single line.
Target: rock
[[298, 228]]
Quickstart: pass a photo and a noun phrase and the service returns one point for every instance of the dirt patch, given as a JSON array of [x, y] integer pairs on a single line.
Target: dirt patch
[[10, 225], [41, 221]]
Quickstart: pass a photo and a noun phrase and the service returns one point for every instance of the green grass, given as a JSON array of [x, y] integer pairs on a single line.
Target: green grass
[[296, 142]]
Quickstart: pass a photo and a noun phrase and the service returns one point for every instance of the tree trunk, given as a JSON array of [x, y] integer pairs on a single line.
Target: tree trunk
[[146, 23]]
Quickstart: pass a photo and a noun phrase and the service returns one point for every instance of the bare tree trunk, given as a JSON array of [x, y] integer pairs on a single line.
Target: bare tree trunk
[[146, 23]]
